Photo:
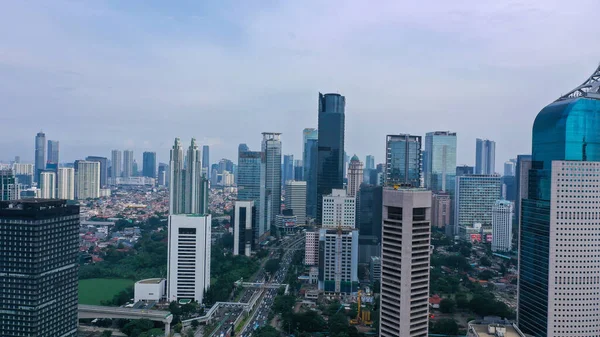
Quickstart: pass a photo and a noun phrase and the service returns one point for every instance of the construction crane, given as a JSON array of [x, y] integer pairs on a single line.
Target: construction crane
[[363, 316]]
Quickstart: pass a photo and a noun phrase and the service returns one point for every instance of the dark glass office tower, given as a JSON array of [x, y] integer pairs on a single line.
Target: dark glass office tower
[[559, 234], [370, 208], [403, 160], [310, 158], [330, 162], [206, 160], [103, 168], [288, 168], [52, 161], [40, 155], [149, 164], [38, 268]]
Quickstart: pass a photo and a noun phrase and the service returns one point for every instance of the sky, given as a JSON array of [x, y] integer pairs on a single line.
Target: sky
[[102, 75]]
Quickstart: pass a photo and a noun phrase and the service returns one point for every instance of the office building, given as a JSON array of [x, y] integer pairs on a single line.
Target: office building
[[286, 222], [295, 199], [311, 252], [439, 161], [65, 183], [149, 164], [288, 168], [338, 260], [330, 160], [558, 239], [227, 179], [474, 200], [405, 263], [116, 169], [522, 183], [188, 189], [47, 185], [188, 256], [339, 210], [40, 154], [39, 259], [103, 168], [510, 167], [298, 170], [270, 180], [464, 170], [355, 176], [403, 160], [9, 186], [24, 174], [502, 215], [52, 160], [176, 179], [225, 165], [248, 184], [310, 160], [369, 162], [163, 170], [243, 225], [87, 179], [370, 208], [375, 269], [509, 188], [128, 164], [440, 209], [485, 156], [206, 161]]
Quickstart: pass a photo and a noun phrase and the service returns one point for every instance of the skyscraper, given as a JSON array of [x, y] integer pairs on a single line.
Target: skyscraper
[[288, 168], [9, 186], [188, 189], [149, 162], [370, 208], [464, 170], [485, 156], [339, 210], [338, 260], [370, 162], [206, 161], [127, 163], [522, 183], [40, 154], [405, 263], [330, 162], [47, 185], [502, 214], [103, 168], [558, 239], [474, 200], [298, 170], [310, 161], [509, 167], [403, 160], [38, 296], [440, 161], [355, 176], [243, 219], [24, 174], [87, 180], [116, 166], [162, 174], [52, 161], [295, 199], [440, 209], [248, 183], [66, 183], [270, 180]]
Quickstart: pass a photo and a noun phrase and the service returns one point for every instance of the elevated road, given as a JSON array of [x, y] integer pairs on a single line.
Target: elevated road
[[96, 311]]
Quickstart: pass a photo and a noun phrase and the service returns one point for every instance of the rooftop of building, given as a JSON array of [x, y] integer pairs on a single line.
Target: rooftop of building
[[499, 329], [151, 281]]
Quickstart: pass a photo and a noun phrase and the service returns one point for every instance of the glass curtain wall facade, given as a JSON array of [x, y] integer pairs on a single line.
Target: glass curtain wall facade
[[440, 161], [403, 160]]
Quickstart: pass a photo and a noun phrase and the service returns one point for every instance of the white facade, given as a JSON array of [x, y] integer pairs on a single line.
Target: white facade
[[47, 185], [149, 290], [339, 210], [127, 163], [405, 257], [227, 178], [66, 183], [475, 195], [116, 165], [502, 214], [340, 260], [20, 168], [295, 199], [311, 252], [242, 228], [355, 176], [189, 257], [88, 179], [139, 181]]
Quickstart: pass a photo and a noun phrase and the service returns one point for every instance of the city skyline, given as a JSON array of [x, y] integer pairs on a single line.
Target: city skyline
[[474, 70]]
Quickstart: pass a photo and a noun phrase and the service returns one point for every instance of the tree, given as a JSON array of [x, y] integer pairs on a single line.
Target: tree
[[486, 275], [338, 323], [485, 261], [353, 312], [447, 306], [195, 324], [462, 301], [272, 266], [106, 333], [444, 326], [266, 331]]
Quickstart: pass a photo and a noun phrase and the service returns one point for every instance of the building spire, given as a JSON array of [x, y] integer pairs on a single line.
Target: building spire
[[590, 88]]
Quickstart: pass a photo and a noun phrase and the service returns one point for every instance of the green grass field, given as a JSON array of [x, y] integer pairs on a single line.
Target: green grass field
[[92, 291]]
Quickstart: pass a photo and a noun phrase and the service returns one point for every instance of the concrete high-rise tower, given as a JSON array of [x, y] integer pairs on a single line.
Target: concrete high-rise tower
[[176, 179], [47, 185], [103, 168], [295, 199], [330, 163], [66, 183], [559, 234], [270, 180], [40, 154], [485, 156], [502, 214], [87, 180], [116, 166], [355, 176], [127, 163], [405, 276]]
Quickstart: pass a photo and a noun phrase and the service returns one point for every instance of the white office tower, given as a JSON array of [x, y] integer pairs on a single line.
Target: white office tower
[[192, 188], [243, 221], [47, 185], [339, 271], [339, 210], [502, 214], [116, 165], [405, 263], [355, 176], [88, 179], [127, 163], [176, 179], [189, 257], [66, 183], [295, 199]]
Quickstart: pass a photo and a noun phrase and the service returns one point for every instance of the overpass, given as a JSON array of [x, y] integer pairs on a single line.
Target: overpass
[[212, 310], [96, 311], [265, 285]]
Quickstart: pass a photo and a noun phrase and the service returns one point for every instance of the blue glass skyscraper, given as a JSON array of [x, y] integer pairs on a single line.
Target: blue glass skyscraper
[[403, 160], [558, 240], [309, 161], [330, 163], [440, 161], [288, 168]]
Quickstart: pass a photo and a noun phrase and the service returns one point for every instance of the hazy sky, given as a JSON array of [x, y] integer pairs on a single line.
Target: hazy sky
[[99, 75]]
